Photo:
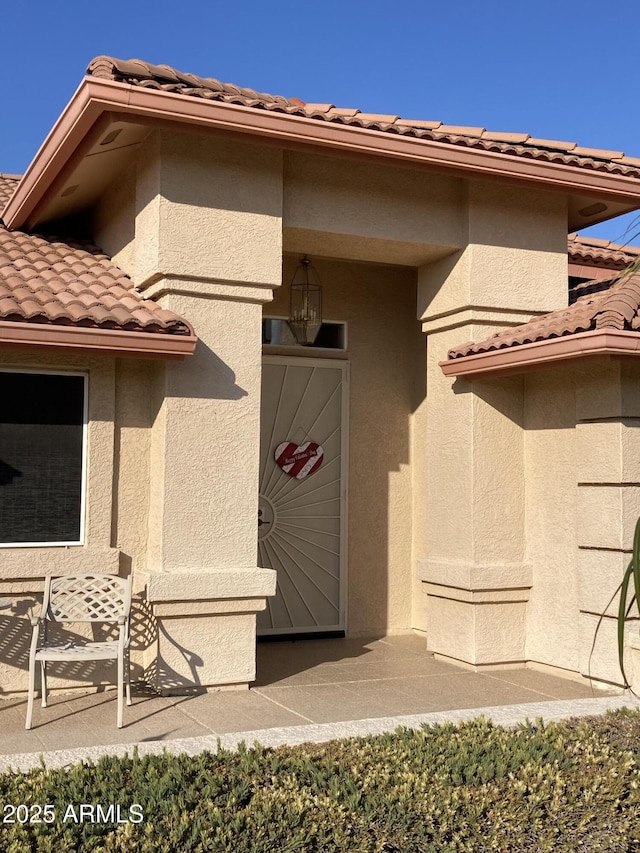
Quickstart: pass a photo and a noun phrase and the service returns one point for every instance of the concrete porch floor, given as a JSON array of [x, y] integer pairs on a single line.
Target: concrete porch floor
[[300, 684]]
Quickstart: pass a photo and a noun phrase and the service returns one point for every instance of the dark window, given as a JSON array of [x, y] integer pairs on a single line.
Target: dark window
[[41, 457], [276, 332]]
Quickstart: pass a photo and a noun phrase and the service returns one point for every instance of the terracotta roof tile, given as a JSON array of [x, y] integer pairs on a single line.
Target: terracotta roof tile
[[319, 108], [425, 125], [101, 314], [602, 253], [8, 183], [616, 306], [342, 112], [48, 280], [600, 153], [552, 143], [378, 118], [135, 72], [459, 130], [520, 138]]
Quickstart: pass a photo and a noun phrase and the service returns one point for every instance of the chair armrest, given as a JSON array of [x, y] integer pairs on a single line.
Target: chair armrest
[[122, 620]]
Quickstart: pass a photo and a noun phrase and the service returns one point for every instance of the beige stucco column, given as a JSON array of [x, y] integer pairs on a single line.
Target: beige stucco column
[[608, 505], [475, 570], [208, 246]]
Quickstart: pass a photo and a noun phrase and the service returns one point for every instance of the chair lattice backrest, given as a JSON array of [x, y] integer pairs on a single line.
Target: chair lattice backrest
[[87, 598]]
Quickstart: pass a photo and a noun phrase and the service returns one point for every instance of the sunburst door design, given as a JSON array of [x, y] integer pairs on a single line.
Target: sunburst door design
[[301, 515]]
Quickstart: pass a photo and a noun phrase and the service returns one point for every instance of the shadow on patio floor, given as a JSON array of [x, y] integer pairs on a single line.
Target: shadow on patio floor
[[298, 682]]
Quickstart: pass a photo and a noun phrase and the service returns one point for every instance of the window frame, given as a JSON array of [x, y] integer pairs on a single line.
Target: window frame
[[83, 478]]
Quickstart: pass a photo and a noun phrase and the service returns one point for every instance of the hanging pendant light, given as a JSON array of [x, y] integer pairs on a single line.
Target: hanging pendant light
[[305, 312]]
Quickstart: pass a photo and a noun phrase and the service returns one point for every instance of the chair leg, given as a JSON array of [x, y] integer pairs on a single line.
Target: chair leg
[[128, 678], [43, 682], [120, 686], [32, 690]]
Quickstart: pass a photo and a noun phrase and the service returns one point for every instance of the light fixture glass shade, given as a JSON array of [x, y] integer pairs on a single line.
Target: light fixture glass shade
[[305, 313]]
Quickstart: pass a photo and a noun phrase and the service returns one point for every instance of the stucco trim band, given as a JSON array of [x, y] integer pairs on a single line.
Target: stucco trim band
[[475, 577], [476, 315], [89, 112], [243, 606], [114, 341], [215, 585], [20, 564], [163, 284], [540, 353], [468, 596]]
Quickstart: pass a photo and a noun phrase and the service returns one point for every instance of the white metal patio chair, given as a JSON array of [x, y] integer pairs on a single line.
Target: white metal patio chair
[[82, 598]]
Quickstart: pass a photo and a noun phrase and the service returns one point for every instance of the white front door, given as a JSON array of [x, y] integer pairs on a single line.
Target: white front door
[[302, 507]]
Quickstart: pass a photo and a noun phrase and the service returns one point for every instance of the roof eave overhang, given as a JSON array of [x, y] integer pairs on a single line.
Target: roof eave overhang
[[96, 101], [525, 357], [115, 342]]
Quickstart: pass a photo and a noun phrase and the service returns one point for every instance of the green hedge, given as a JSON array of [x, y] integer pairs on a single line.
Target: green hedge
[[476, 787]]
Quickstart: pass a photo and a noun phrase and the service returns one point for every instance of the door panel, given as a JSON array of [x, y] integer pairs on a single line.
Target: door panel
[[301, 522]]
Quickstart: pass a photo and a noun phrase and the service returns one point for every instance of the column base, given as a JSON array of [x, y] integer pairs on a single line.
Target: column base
[[477, 614], [206, 628]]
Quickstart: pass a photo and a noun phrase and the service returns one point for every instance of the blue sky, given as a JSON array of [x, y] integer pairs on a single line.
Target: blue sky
[[551, 69]]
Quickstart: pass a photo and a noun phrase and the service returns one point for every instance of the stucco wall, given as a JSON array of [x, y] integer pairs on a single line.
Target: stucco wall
[[420, 484], [551, 516], [474, 565], [582, 447], [221, 209], [386, 353], [134, 410], [343, 208], [114, 219], [197, 207], [513, 260], [206, 217], [205, 443]]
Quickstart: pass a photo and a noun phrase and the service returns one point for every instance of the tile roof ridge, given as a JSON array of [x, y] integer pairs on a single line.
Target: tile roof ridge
[[621, 303], [599, 242], [141, 72], [588, 241], [604, 254]]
